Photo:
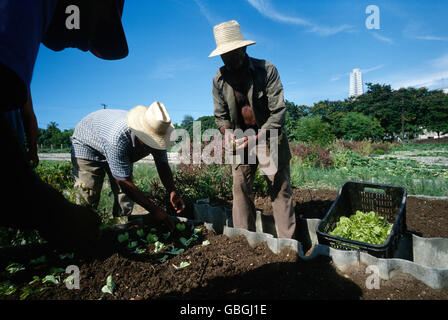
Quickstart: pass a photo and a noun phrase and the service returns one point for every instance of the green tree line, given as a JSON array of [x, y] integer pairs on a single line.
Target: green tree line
[[53, 136], [380, 114]]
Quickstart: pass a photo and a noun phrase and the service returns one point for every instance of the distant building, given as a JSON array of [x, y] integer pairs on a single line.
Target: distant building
[[356, 84]]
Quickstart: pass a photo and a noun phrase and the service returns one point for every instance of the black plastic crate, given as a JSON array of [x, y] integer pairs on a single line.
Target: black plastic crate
[[385, 200]]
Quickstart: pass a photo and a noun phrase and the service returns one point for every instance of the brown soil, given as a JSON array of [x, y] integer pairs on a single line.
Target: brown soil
[[230, 269]]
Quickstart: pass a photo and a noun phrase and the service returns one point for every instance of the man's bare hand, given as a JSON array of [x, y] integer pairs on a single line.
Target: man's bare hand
[[160, 216], [244, 143], [177, 202]]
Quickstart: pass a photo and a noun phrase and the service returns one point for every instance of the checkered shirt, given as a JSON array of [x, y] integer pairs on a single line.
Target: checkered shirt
[[104, 136]]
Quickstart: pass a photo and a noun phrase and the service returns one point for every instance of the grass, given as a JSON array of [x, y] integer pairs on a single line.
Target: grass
[[333, 179]]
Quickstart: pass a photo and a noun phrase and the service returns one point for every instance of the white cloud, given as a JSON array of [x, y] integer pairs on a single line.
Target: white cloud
[[265, 8], [383, 38], [441, 62], [378, 67], [211, 18], [433, 74], [431, 38]]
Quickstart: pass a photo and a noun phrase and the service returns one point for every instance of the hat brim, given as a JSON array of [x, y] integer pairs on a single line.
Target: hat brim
[[101, 30], [135, 120], [227, 47], [108, 39]]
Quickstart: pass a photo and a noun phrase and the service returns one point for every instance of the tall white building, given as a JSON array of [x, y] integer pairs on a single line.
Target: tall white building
[[356, 84]]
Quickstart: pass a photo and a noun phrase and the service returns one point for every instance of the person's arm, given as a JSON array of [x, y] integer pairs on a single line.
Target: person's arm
[[276, 106], [166, 176], [276, 101], [133, 192], [31, 130]]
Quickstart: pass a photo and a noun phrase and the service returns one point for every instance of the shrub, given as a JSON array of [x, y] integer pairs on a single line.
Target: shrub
[[357, 127], [58, 175], [310, 155], [313, 130]]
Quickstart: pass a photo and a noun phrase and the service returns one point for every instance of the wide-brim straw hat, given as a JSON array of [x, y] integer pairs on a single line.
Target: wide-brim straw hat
[[151, 125], [229, 37]]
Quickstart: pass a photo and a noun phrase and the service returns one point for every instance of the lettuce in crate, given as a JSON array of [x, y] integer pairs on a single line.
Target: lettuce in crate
[[367, 227]]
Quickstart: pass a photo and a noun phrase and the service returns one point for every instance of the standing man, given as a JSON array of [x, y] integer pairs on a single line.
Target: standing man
[[109, 142], [248, 94]]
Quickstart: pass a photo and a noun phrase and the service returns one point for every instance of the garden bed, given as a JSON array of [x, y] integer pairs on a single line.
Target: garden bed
[[229, 268]]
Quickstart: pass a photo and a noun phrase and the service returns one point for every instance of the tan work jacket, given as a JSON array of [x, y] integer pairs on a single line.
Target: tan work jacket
[[265, 96]]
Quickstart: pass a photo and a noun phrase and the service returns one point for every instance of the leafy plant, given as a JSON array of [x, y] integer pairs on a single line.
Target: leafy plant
[[14, 267], [182, 265], [123, 237], [175, 251], [152, 238], [205, 243], [158, 246], [364, 227], [110, 286], [7, 288]]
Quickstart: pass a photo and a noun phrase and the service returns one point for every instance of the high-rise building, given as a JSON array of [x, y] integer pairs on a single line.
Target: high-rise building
[[356, 84]]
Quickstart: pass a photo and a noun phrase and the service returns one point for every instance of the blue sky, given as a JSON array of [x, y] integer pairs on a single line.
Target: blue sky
[[315, 44]]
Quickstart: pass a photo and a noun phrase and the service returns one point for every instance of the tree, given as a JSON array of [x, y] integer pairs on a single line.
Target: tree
[[357, 127], [313, 129], [436, 117], [293, 114]]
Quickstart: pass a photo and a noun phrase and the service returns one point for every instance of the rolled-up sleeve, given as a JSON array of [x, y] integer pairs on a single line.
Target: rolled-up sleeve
[[276, 101], [221, 108]]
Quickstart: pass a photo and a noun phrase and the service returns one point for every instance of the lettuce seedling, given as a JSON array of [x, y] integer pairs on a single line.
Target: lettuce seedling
[[35, 280], [180, 226], [205, 243], [70, 279], [175, 251], [158, 246], [162, 260], [110, 286], [140, 233], [50, 278], [152, 238], [182, 265], [132, 245], [7, 288], [166, 235], [14, 267], [139, 251], [185, 242], [123, 237]]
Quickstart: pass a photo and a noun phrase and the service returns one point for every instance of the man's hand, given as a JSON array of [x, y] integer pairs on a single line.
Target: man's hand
[[160, 216], [244, 143], [177, 202], [33, 158]]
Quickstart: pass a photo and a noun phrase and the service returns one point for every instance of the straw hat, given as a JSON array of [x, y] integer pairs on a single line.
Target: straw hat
[[151, 125], [228, 37]]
